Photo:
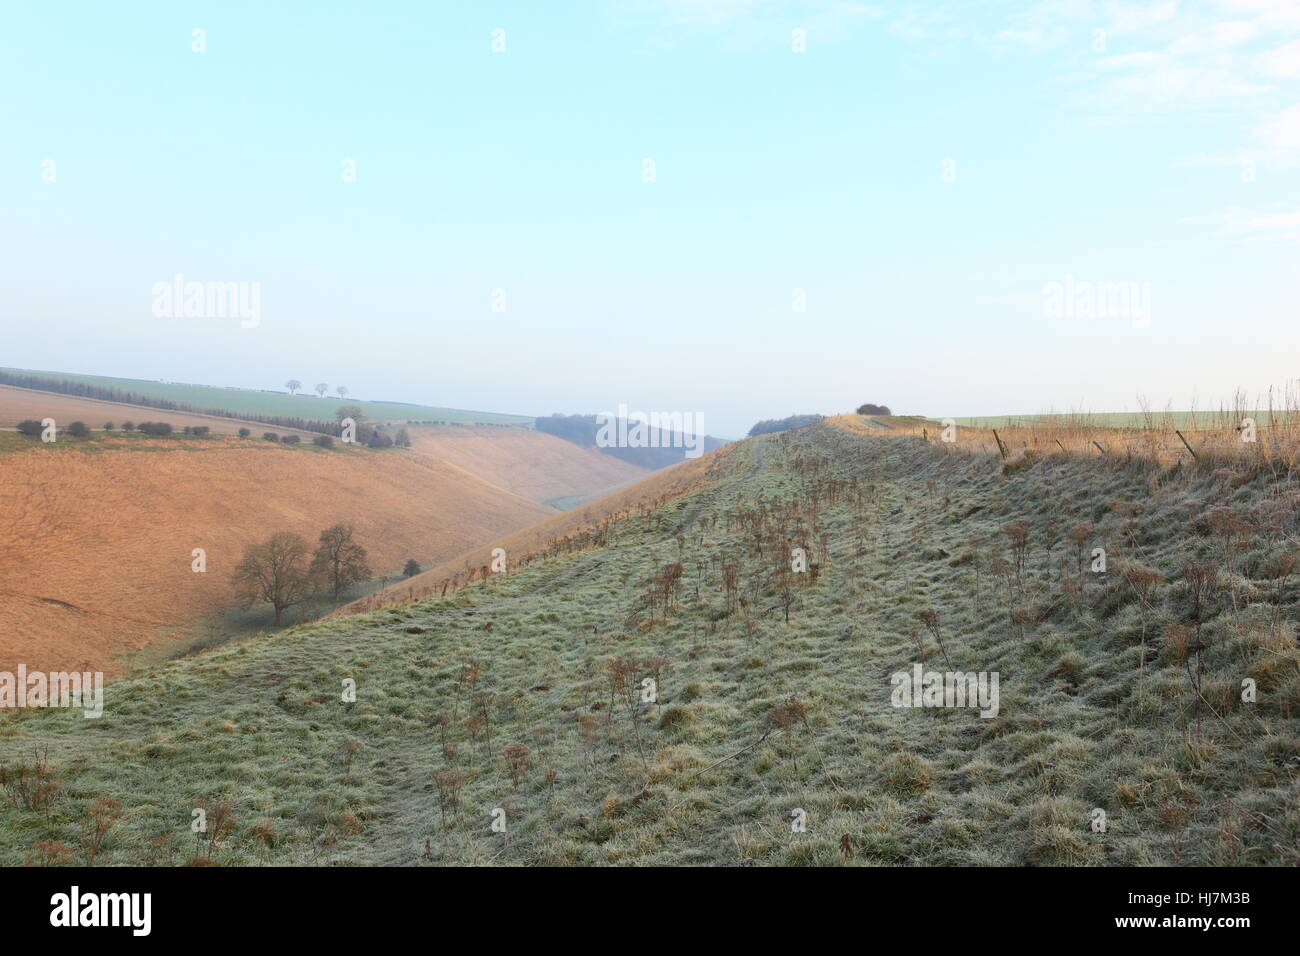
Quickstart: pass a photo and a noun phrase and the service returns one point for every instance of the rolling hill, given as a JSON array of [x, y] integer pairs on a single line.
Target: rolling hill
[[773, 697]]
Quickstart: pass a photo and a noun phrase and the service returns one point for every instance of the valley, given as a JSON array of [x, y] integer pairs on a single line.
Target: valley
[[1123, 734]]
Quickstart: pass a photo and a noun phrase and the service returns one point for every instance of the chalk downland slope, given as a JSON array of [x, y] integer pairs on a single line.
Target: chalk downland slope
[[773, 691], [583, 523], [96, 542], [525, 462]]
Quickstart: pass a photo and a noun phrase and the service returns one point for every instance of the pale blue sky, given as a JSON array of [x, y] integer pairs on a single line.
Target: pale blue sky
[[1110, 157]]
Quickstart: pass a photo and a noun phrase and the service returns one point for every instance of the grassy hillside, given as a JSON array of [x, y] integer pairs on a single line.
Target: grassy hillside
[[309, 405], [521, 693]]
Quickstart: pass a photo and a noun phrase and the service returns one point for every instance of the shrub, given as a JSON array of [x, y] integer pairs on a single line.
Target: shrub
[[31, 786], [244, 433], [108, 426], [412, 568], [869, 409], [200, 430], [29, 427], [270, 436], [78, 430], [290, 440], [101, 816], [325, 441], [48, 853], [128, 426], [159, 429]]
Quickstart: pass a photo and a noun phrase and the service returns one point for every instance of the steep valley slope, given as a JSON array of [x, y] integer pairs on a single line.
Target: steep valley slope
[[97, 540]]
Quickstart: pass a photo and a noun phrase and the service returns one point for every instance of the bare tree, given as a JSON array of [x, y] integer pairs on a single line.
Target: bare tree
[[275, 572], [339, 560], [322, 388], [293, 385], [342, 390]]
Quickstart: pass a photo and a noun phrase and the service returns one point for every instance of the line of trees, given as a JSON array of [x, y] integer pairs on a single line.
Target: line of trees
[[32, 429], [283, 570], [321, 388]]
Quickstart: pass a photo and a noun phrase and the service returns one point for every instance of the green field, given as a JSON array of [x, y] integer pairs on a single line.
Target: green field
[[756, 716], [237, 401]]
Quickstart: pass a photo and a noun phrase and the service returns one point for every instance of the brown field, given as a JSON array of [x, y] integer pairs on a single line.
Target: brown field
[[526, 462], [17, 404], [96, 542]]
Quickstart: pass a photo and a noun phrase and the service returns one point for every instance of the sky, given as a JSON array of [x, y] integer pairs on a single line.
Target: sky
[[735, 208]]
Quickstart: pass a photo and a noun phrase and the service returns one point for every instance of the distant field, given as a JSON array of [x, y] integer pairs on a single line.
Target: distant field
[[252, 402], [1185, 419]]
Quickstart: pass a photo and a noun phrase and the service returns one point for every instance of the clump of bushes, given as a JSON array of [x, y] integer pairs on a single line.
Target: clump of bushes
[[290, 440], [30, 427], [324, 441], [78, 430], [270, 436], [157, 429], [784, 424]]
